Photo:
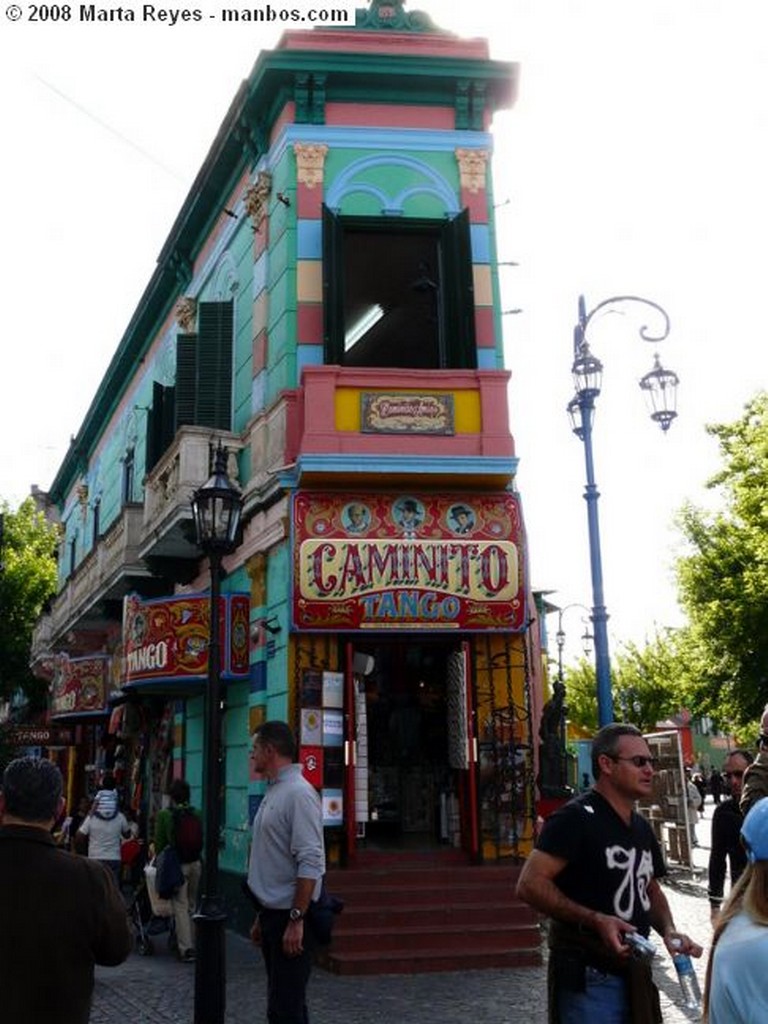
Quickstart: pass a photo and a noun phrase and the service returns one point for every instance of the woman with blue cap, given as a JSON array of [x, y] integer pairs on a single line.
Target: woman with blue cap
[[736, 989]]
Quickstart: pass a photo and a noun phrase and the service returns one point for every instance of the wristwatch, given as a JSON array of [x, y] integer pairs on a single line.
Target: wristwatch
[[296, 914]]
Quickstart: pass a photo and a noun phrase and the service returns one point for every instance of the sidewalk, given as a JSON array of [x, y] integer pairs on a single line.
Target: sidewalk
[[159, 990]]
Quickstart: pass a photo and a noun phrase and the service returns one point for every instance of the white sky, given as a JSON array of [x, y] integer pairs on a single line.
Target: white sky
[[634, 162]]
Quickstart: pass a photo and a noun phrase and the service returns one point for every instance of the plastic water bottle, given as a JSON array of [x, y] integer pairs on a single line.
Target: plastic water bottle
[[686, 975]]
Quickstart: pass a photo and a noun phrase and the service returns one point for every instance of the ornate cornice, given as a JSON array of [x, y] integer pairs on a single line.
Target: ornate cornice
[[256, 197], [185, 313], [310, 163], [472, 167]]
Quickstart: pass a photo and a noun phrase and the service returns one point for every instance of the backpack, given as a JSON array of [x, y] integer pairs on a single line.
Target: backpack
[[187, 834]]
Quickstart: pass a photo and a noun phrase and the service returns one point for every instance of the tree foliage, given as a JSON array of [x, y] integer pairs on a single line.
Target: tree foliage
[[723, 577], [645, 684], [27, 581]]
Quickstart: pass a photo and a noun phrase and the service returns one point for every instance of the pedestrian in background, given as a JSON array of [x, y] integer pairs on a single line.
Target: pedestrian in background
[[61, 914], [595, 873], [755, 785], [105, 833], [716, 785], [726, 850], [285, 872], [169, 824], [695, 803], [736, 986]]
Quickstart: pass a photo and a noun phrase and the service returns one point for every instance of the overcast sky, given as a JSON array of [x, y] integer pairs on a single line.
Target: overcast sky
[[634, 162]]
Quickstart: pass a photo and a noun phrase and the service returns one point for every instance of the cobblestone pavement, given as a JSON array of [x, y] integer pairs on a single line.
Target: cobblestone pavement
[[159, 990]]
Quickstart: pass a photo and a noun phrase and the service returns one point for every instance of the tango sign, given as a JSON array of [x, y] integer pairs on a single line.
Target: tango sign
[[423, 562]]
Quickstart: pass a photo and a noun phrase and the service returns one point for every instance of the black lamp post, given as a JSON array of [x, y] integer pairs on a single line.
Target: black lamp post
[[660, 387], [216, 507]]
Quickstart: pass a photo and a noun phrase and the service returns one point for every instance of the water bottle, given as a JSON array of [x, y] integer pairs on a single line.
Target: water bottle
[[689, 983]]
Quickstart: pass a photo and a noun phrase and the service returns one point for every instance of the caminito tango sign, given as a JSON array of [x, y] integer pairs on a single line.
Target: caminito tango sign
[[409, 561]]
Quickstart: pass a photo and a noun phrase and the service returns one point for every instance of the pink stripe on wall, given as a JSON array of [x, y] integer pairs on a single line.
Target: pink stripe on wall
[[259, 351], [484, 327], [234, 197], [426, 45], [309, 325], [477, 204], [309, 202], [390, 115]]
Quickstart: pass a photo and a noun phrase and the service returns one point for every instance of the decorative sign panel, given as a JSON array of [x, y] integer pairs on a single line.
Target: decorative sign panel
[[167, 638], [79, 685], [405, 412], [409, 561]]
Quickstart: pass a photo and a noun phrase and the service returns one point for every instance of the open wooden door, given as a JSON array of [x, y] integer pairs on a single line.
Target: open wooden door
[[350, 753], [462, 745]]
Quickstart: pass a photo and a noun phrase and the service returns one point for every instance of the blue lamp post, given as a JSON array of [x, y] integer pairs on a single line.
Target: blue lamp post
[[660, 388]]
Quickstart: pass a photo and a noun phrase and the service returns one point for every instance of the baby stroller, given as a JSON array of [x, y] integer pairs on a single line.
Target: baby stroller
[[149, 915]]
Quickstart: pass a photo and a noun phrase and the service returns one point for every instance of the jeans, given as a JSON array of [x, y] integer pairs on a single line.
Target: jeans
[[287, 976], [604, 1001]]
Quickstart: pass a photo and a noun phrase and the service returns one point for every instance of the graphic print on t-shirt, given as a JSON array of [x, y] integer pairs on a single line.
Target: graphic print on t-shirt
[[617, 858]]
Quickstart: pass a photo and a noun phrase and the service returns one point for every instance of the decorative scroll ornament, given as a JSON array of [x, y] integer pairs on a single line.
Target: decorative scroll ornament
[[389, 14], [310, 163], [186, 313], [472, 165], [256, 196]]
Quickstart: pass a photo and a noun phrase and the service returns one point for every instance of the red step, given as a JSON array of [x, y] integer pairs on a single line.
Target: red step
[[417, 913]]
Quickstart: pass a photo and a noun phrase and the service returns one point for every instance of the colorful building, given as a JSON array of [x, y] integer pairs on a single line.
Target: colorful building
[[326, 307]]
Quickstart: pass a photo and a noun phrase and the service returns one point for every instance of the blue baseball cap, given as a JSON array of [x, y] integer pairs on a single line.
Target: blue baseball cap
[[754, 831]]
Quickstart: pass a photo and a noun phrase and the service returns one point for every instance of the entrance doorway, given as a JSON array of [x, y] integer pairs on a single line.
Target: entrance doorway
[[404, 740]]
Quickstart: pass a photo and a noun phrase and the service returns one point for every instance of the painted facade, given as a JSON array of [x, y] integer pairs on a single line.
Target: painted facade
[[327, 308]]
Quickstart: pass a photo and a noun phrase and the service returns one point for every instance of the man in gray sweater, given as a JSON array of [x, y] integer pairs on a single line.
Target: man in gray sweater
[[285, 872]]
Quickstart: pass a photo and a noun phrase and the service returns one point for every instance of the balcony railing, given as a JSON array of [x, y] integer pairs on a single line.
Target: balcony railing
[[107, 572]]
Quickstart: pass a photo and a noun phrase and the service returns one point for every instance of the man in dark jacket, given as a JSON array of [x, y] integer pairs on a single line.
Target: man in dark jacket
[[727, 850], [61, 914]]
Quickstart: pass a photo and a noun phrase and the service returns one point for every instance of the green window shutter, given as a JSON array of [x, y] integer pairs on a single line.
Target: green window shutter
[[458, 293], [168, 428], [214, 365], [333, 289], [186, 379], [161, 427]]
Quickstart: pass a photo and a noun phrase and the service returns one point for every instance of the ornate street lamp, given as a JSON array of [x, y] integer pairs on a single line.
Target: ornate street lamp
[[660, 387], [216, 507]]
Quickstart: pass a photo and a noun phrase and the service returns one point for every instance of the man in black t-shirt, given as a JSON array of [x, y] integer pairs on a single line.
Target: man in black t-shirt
[[595, 873]]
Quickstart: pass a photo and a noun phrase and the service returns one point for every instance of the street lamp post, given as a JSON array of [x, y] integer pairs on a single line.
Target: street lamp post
[[560, 635], [216, 507], [660, 387]]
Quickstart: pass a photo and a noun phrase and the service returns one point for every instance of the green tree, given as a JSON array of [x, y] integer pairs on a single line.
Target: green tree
[[645, 684], [723, 577], [27, 581]]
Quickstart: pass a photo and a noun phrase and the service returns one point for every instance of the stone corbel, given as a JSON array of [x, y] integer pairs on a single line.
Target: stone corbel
[[310, 163], [472, 165], [186, 314], [256, 567], [256, 196]]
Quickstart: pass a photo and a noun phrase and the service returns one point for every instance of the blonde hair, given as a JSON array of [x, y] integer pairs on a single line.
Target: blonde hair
[[749, 894]]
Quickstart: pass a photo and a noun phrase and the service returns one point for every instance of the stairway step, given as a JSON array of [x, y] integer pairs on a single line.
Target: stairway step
[[439, 914], [451, 937], [429, 960]]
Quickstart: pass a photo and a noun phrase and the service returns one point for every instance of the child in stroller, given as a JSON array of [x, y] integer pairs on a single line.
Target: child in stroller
[[149, 915]]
